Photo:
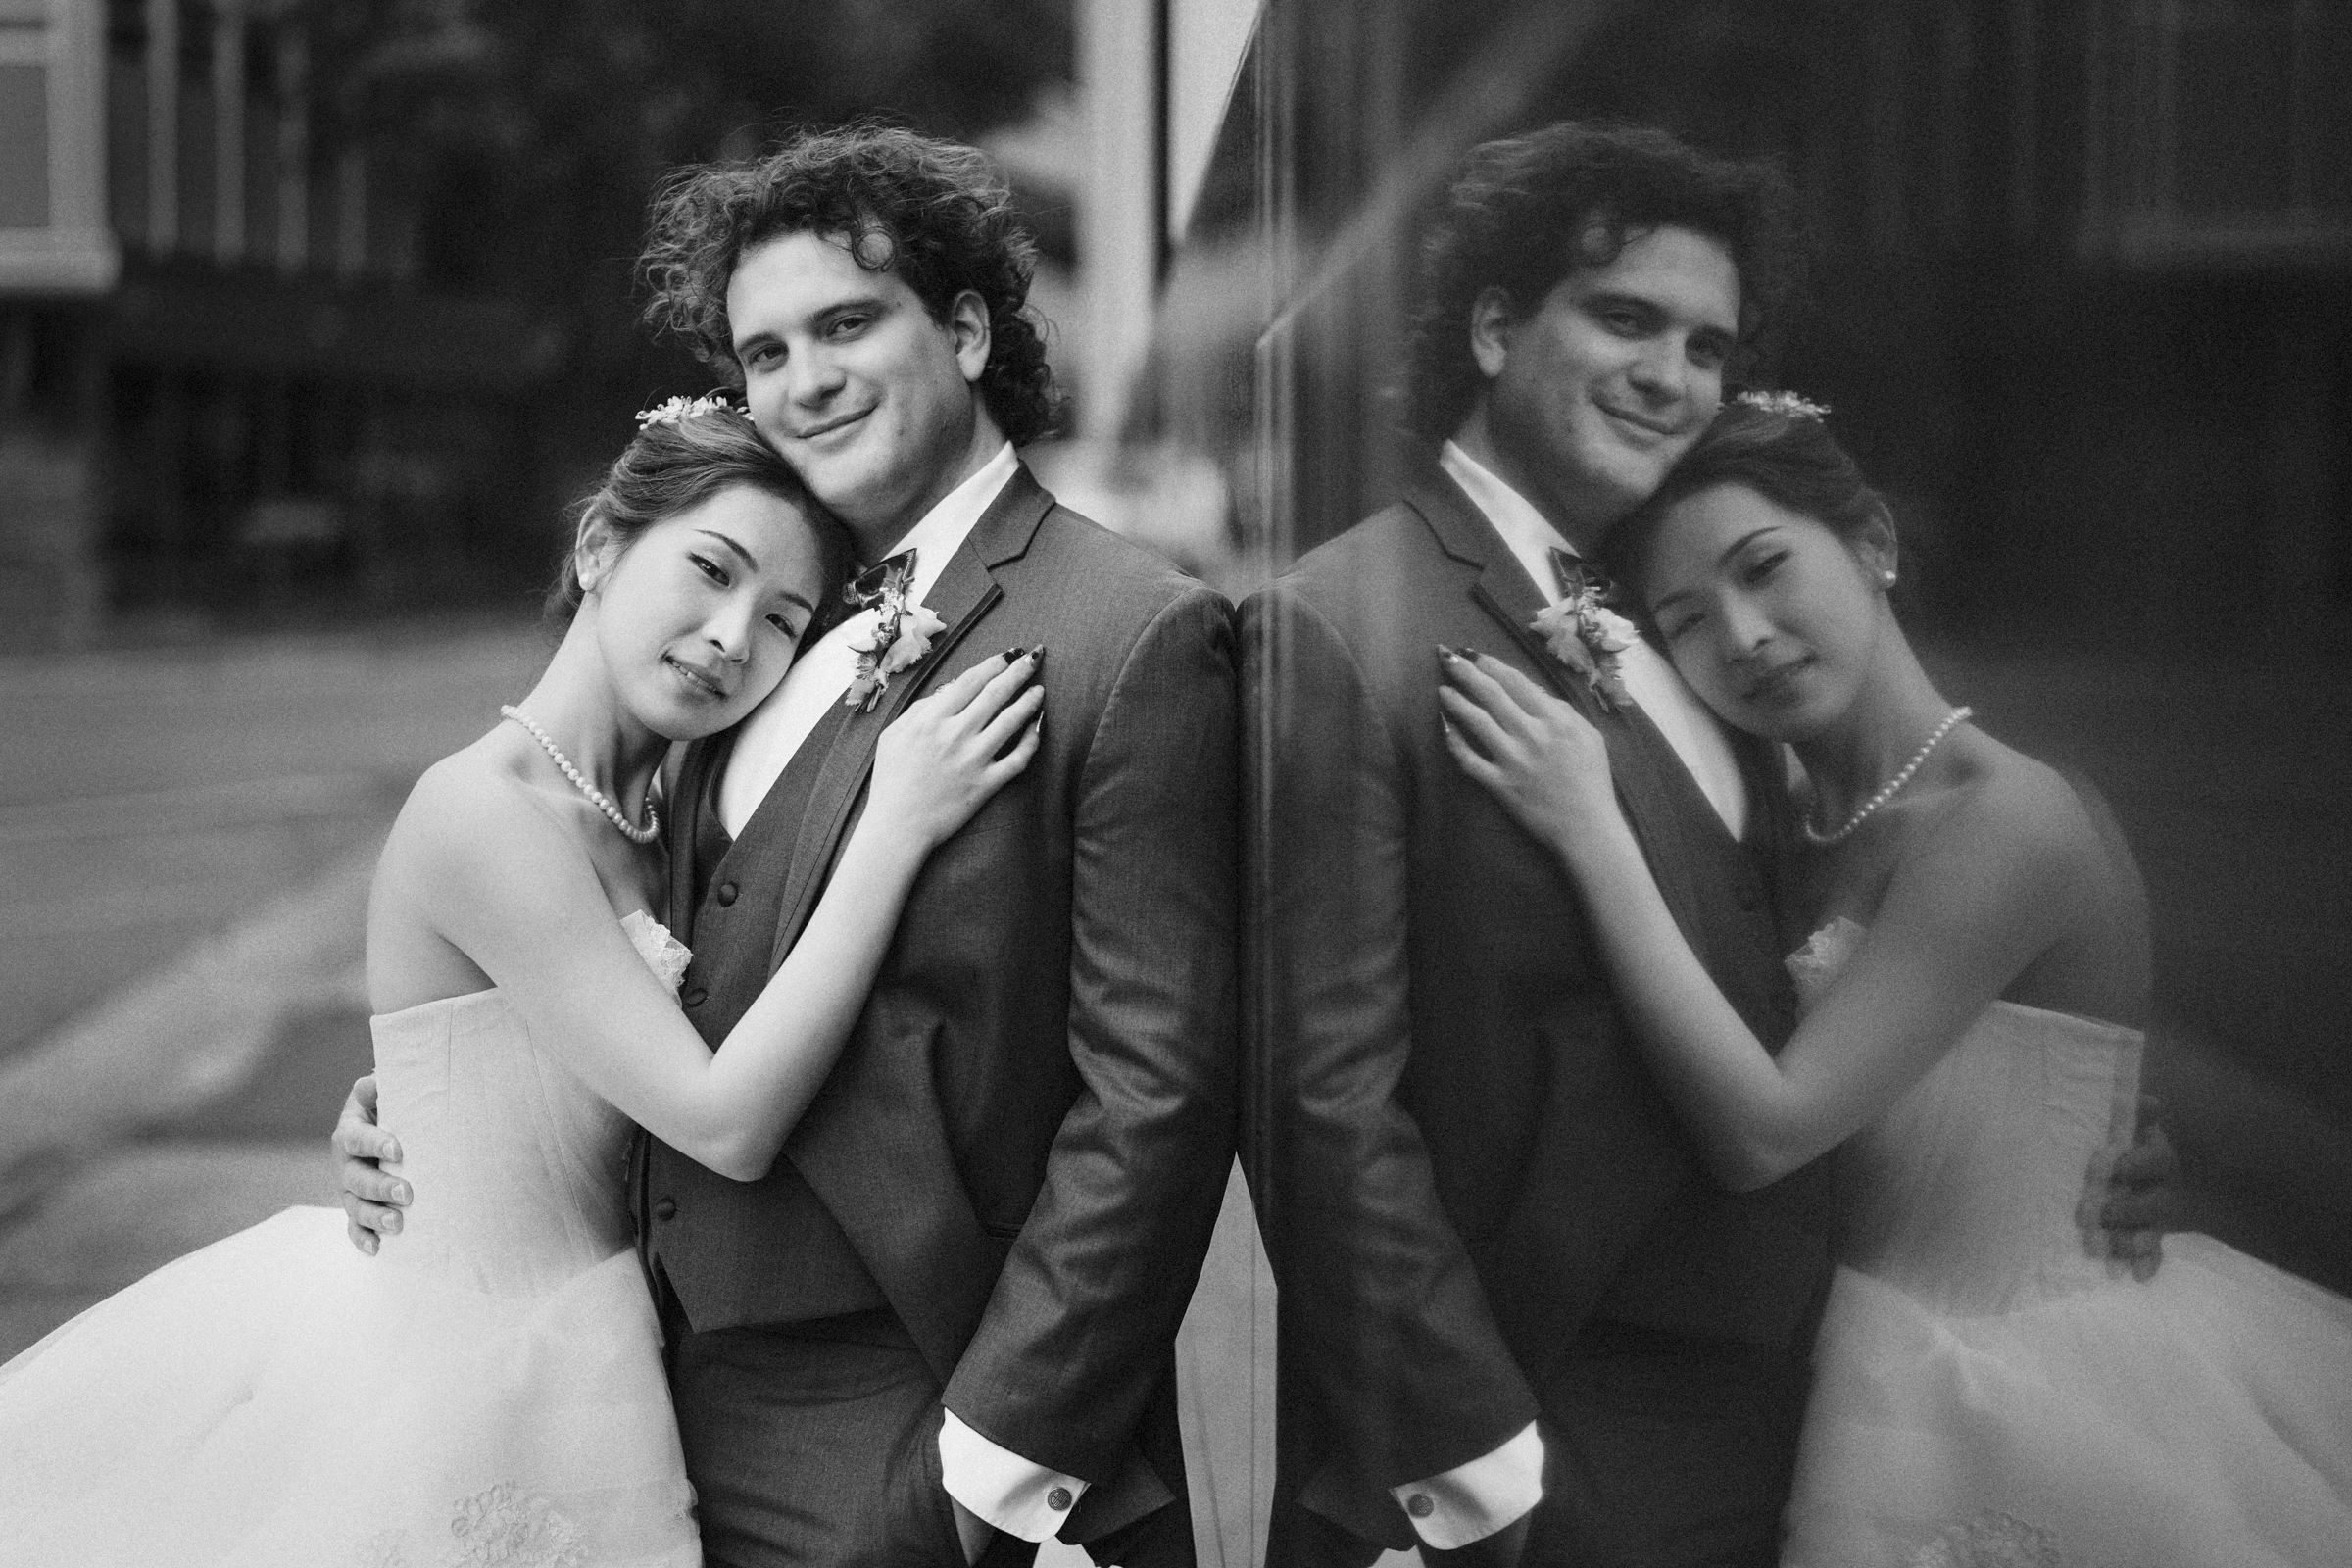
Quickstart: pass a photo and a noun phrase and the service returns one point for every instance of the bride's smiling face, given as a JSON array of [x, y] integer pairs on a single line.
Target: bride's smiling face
[[698, 616], [1773, 618]]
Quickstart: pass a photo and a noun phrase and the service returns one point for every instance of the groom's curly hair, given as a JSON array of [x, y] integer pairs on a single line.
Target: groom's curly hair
[[1526, 210], [932, 212]]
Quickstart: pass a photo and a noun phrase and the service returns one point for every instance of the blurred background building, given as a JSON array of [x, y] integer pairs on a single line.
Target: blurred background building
[[315, 308], [231, 372]]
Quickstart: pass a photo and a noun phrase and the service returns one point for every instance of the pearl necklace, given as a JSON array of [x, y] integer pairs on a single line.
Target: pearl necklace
[[1888, 790], [596, 797]]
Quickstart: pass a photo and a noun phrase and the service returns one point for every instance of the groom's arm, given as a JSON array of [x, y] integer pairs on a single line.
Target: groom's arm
[[1386, 1313], [1084, 1314]]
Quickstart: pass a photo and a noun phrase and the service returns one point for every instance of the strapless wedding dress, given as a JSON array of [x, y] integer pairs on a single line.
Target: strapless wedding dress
[[487, 1390], [1986, 1395]]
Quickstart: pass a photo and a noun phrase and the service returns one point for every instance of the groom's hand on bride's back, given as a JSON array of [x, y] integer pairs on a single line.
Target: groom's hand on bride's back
[[2128, 1196], [372, 1197]]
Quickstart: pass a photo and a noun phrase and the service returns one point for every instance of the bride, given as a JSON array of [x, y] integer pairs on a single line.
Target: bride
[[1975, 988], [505, 1345]]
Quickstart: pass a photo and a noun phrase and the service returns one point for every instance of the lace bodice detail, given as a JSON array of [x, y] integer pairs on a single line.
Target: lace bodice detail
[[517, 1168], [1964, 1191], [662, 953]]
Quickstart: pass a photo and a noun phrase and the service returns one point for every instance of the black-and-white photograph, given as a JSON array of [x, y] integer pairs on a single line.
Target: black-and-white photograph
[[1163, 782]]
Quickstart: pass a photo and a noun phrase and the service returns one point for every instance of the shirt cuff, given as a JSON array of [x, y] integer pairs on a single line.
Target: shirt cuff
[[1471, 1502], [1018, 1496]]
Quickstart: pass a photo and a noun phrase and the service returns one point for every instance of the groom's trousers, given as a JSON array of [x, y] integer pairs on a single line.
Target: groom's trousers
[[1666, 1451], [1660, 1451], [815, 1445]]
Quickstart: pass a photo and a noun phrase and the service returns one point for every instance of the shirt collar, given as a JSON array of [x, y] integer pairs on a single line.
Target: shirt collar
[[945, 527], [1530, 537]]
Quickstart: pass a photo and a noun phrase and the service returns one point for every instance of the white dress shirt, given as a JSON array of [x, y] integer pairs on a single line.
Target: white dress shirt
[[1015, 1496], [1473, 1501]]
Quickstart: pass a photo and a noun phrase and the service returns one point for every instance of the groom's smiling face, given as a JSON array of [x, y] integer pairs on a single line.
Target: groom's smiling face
[[1595, 392], [853, 380]]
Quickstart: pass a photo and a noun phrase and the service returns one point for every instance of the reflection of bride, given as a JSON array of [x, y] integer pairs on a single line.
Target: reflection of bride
[[1985, 1391], [489, 1389]]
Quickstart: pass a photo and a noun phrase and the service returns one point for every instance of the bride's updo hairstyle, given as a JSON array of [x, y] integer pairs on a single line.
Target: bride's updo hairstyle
[[1787, 457], [683, 456]]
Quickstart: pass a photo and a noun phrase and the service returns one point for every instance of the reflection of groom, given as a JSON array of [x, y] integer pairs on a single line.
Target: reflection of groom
[[963, 1277], [1517, 1320], [1516, 1316]]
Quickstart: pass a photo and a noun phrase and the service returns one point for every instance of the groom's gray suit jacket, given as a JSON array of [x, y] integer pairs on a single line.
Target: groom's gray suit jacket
[[1025, 1144]]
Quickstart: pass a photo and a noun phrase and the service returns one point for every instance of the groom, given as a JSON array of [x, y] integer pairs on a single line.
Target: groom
[[941, 1329]]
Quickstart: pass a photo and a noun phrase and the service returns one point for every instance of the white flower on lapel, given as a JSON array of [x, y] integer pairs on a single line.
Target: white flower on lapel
[[1586, 636], [901, 634], [909, 640]]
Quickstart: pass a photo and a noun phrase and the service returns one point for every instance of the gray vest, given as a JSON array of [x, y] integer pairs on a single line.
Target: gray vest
[[743, 1253]]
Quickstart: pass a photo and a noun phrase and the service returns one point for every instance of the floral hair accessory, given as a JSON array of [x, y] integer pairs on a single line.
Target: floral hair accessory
[[677, 411], [901, 634], [1584, 633], [1788, 405]]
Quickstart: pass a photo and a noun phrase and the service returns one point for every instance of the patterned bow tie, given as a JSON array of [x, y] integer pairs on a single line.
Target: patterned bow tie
[[868, 587]]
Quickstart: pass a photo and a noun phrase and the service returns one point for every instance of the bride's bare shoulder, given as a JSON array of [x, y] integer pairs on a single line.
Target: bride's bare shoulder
[[2062, 867], [471, 809], [2000, 790], [2054, 831]]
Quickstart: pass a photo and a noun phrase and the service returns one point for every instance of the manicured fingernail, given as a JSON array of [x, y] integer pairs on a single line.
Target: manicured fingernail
[[1445, 651], [1038, 653], [1012, 654], [391, 1222], [400, 1192]]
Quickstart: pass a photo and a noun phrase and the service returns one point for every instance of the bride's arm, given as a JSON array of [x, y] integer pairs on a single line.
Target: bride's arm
[[1963, 917], [510, 888]]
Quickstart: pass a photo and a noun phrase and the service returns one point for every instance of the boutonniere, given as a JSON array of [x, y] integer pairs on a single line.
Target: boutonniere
[[1584, 633], [901, 634]]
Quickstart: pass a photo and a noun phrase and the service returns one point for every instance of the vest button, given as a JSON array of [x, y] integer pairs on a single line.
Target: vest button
[[727, 895], [694, 996], [665, 1208]]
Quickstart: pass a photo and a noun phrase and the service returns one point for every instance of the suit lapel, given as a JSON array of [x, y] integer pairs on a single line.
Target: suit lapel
[[1640, 760], [875, 1136], [684, 816], [830, 804], [961, 597]]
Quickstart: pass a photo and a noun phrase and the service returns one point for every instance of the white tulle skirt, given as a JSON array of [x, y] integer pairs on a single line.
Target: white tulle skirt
[[277, 1398], [2203, 1418]]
